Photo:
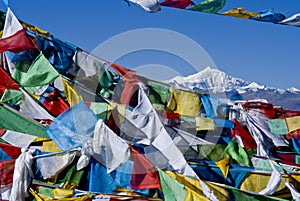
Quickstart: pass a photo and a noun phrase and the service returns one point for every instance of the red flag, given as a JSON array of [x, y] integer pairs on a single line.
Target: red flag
[[121, 70], [6, 172], [171, 115], [281, 113], [10, 150], [128, 93], [246, 137], [144, 174], [177, 3], [131, 80], [264, 108], [2, 132], [18, 42], [113, 121], [54, 104], [7, 81]]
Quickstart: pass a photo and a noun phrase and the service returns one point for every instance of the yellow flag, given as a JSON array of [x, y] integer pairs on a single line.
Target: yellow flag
[[50, 146], [36, 97], [193, 195], [205, 123], [63, 193], [69, 185], [193, 186], [110, 107], [35, 29], [72, 95], [41, 197], [122, 111], [256, 182], [194, 189], [240, 13], [183, 103], [41, 139], [224, 166], [219, 190], [293, 123], [37, 196]]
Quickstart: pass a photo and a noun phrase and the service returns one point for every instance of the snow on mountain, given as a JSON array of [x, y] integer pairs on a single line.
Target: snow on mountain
[[293, 90], [210, 79], [215, 81]]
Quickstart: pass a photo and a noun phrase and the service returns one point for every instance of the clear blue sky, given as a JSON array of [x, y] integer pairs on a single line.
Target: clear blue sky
[[254, 51]]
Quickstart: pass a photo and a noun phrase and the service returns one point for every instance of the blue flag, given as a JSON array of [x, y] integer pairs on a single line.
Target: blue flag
[[98, 180], [6, 2], [73, 127], [296, 145]]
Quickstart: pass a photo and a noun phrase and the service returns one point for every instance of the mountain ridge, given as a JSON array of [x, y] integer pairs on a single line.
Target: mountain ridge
[[216, 82]]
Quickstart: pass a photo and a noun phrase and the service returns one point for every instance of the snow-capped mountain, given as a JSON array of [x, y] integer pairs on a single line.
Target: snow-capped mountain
[[210, 79], [214, 81], [293, 90]]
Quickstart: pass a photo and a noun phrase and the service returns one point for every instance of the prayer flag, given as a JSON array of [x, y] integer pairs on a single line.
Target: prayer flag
[[73, 127]]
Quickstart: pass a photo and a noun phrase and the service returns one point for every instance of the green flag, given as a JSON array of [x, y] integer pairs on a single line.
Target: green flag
[[11, 96], [71, 175], [100, 109], [38, 73], [105, 82], [209, 6], [232, 193], [213, 152], [278, 126], [158, 93], [172, 189], [237, 153], [14, 121]]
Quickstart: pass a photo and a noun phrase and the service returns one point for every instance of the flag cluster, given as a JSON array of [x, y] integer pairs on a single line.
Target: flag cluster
[[215, 6], [76, 127]]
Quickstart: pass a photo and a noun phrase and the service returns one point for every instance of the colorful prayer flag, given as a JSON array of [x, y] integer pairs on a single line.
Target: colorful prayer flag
[[16, 43], [209, 6], [11, 119], [73, 127], [148, 5], [39, 73], [144, 174]]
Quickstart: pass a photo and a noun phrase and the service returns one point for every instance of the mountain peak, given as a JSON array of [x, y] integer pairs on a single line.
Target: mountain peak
[[293, 90], [216, 81], [205, 72], [209, 79]]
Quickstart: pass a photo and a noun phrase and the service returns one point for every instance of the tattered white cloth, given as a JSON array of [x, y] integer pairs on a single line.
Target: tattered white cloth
[[151, 6]]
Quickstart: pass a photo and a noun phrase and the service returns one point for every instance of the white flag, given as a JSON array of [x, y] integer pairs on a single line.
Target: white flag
[[115, 148], [151, 6]]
